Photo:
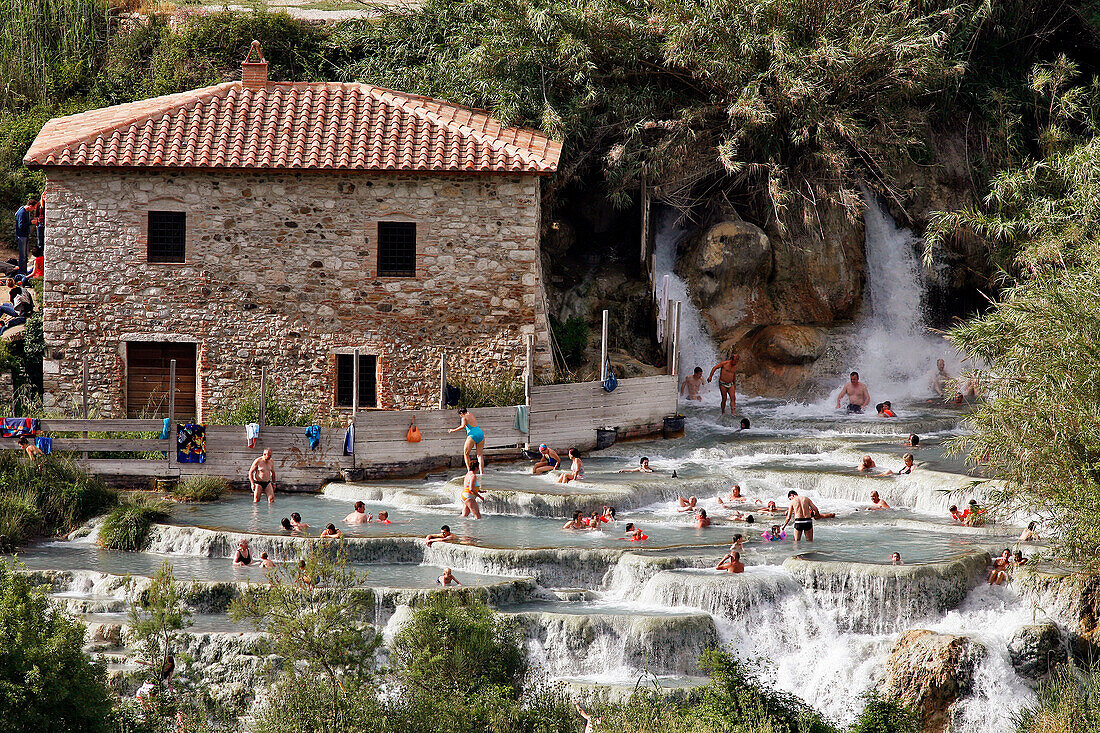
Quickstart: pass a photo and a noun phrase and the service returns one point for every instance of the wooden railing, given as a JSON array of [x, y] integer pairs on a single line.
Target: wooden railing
[[563, 416]]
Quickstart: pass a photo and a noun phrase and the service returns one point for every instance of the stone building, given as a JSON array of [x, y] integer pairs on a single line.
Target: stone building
[[286, 225]]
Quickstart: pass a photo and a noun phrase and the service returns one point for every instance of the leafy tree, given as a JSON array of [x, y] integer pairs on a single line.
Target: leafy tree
[[319, 620], [157, 618], [46, 680]]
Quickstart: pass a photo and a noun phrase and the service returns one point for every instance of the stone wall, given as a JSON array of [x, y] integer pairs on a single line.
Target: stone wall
[[281, 271]]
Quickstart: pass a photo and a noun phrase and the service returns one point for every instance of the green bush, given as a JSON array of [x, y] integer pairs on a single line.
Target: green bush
[[201, 488], [47, 683], [127, 526], [503, 389], [572, 338], [19, 518], [244, 407], [50, 496]]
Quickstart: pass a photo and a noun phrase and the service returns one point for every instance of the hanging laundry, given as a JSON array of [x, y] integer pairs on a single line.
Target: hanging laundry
[[165, 431], [313, 432], [251, 432], [44, 443], [520, 423], [190, 443], [349, 440], [662, 309], [18, 427]]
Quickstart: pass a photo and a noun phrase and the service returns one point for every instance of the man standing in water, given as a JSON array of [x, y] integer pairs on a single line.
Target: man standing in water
[[727, 381], [801, 511], [941, 378], [856, 391], [262, 477], [693, 385]]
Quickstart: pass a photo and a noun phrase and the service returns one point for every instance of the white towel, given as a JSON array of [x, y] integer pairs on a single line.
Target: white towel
[[662, 309], [251, 432]]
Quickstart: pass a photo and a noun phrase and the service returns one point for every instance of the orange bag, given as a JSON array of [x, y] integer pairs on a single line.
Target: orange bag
[[413, 436]]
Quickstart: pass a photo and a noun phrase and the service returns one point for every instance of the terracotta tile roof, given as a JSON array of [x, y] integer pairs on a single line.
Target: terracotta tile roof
[[318, 126]]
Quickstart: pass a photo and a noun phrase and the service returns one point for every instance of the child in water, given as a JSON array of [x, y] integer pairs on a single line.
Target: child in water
[[634, 534], [447, 578], [774, 534]]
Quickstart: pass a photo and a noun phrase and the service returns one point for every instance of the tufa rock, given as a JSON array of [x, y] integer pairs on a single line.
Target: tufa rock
[[932, 672], [1036, 649]]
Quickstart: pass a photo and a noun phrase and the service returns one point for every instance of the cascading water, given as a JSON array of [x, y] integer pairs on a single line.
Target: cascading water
[[894, 353], [696, 346]]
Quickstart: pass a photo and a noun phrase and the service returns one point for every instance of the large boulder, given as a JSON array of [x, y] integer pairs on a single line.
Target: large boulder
[[1036, 649], [932, 672]]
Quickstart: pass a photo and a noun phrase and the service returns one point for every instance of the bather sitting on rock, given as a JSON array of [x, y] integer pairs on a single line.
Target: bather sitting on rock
[[877, 502], [866, 464], [643, 467], [731, 563], [576, 472], [702, 521], [447, 578], [548, 460], [444, 535], [687, 504], [331, 533], [359, 515], [998, 574], [907, 459]]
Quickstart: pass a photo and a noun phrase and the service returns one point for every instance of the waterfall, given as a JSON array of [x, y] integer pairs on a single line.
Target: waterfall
[[696, 346], [895, 354]]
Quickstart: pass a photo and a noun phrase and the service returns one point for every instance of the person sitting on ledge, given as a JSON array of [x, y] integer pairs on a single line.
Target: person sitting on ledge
[[643, 467], [907, 459], [687, 504], [731, 563], [866, 464], [359, 515], [444, 535], [330, 532], [577, 471], [998, 575], [548, 460]]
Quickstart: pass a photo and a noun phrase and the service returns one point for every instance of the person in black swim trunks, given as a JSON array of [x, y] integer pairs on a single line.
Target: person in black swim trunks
[[262, 477], [801, 512], [857, 394]]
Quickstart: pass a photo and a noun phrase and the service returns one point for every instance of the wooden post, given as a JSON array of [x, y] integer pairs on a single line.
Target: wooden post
[[603, 348], [442, 379], [172, 390], [676, 342], [84, 433], [354, 382], [263, 397]]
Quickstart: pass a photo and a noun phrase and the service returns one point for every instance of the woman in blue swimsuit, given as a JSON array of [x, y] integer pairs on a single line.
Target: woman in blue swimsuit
[[475, 437]]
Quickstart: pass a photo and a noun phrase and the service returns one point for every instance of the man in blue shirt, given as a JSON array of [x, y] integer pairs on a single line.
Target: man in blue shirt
[[23, 221]]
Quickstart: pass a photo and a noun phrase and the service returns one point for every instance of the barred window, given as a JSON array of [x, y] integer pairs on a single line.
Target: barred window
[[167, 236], [345, 379], [396, 249]]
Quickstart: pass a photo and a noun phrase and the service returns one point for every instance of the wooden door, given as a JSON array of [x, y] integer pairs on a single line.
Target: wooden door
[[147, 369]]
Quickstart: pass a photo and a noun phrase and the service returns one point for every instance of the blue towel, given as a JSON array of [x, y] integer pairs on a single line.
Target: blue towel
[[313, 432], [45, 444], [164, 431], [520, 423], [18, 427], [349, 440]]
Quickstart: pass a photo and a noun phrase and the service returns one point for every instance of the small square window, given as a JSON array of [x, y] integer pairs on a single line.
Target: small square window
[[396, 249], [368, 380], [167, 236]]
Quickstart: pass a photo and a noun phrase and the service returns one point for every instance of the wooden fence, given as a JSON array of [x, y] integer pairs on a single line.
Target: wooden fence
[[563, 416]]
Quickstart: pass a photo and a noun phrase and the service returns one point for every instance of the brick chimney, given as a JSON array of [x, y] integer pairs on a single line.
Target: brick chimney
[[254, 73]]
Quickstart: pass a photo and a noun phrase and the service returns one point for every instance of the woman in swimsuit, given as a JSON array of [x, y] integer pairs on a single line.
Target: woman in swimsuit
[[244, 555], [1029, 534], [577, 473], [471, 492], [548, 460], [577, 522], [475, 438], [998, 575]]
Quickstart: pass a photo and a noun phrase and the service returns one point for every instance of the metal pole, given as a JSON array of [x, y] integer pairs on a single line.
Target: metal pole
[[354, 382], [676, 343], [603, 348], [442, 379], [84, 433], [172, 390], [262, 419]]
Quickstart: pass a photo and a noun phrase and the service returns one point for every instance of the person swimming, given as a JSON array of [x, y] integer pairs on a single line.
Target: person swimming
[[913, 442], [775, 534], [740, 517], [285, 523], [296, 520], [877, 502], [358, 514], [577, 522], [384, 517], [643, 467], [895, 559]]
